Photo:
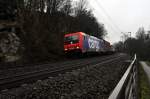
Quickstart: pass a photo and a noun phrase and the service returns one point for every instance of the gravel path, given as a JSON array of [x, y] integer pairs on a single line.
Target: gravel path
[[146, 69]]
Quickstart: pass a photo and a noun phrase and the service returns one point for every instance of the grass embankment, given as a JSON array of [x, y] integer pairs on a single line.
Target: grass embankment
[[144, 85], [148, 63]]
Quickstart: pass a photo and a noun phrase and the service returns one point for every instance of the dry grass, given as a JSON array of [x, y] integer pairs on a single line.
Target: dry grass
[[144, 85]]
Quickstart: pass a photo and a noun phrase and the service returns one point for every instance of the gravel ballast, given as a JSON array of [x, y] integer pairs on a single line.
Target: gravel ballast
[[86, 83]]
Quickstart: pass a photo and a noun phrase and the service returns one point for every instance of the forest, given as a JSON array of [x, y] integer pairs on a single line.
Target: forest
[[32, 31], [140, 44]]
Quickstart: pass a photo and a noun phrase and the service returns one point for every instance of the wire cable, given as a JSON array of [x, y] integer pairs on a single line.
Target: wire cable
[[108, 17]]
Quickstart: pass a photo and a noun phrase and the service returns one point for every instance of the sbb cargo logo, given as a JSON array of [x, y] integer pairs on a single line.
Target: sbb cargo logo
[[93, 44]]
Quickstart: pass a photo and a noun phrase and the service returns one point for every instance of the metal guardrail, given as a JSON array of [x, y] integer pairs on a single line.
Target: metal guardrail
[[127, 87]]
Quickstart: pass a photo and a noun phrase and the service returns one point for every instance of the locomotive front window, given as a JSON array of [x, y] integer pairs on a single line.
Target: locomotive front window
[[71, 39]]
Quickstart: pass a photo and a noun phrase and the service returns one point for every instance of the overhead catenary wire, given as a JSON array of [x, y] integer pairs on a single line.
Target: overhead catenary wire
[[102, 17], [107, 18]]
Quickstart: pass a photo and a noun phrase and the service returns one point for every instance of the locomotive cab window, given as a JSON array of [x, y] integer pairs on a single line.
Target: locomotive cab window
[[71, 39]]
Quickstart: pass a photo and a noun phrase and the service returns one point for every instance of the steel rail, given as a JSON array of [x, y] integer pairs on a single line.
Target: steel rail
[[53, 64], [57, 65]]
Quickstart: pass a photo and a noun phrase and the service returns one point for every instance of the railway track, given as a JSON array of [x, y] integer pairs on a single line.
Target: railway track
[[68, 61], [31, 68], [17, 80]]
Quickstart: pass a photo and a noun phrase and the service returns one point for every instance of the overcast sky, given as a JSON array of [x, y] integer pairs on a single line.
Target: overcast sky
[[121, 16]]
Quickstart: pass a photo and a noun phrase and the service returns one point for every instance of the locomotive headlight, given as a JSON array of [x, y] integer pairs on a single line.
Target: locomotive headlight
[[66, 49], [77, 47]]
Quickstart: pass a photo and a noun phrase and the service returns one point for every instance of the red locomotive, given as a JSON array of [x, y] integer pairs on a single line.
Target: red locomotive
[[84, 43]]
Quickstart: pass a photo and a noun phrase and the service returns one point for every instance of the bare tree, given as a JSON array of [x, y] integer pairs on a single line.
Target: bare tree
[[43, 23], [140, 34]]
